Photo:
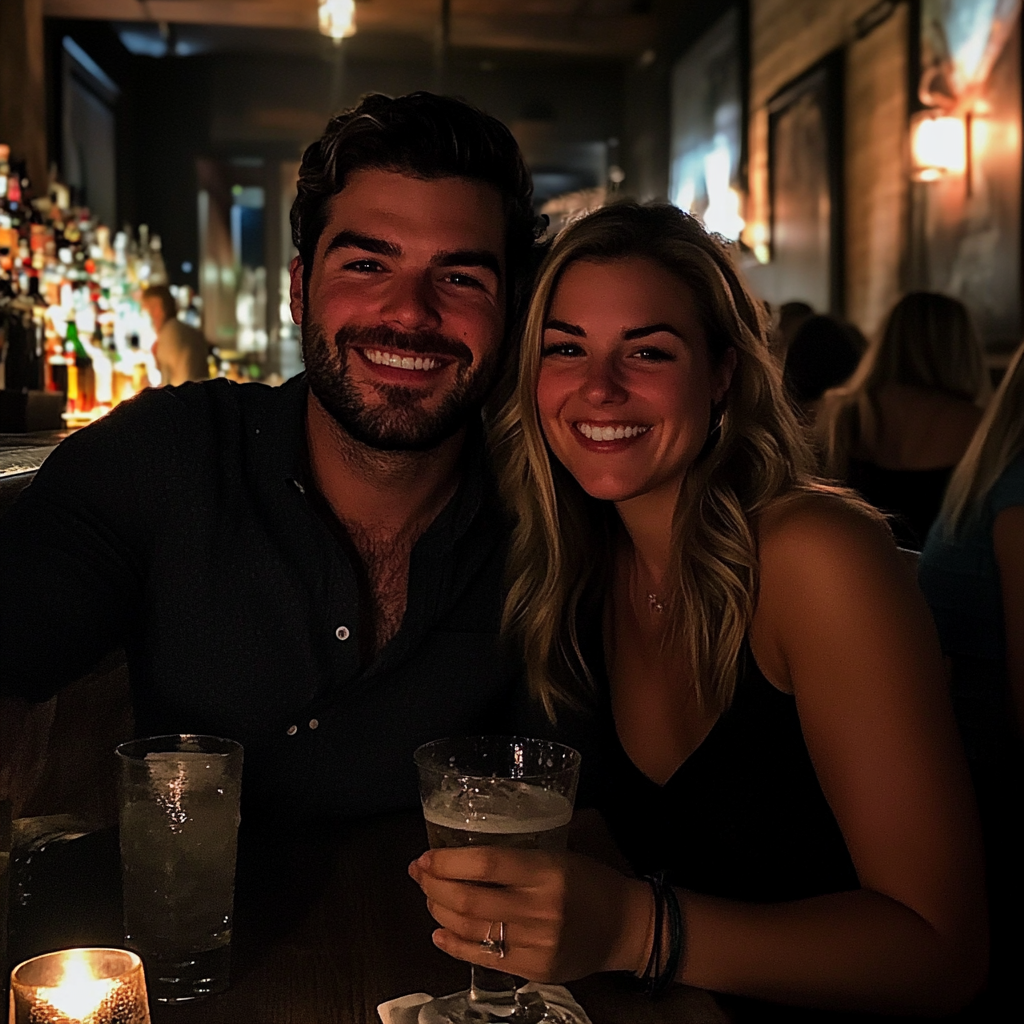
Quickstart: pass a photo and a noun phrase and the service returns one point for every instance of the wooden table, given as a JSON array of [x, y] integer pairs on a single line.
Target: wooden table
[[327, 926]]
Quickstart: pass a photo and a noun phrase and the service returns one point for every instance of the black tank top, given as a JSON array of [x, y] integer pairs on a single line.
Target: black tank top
[[743, 817], [912, 497]]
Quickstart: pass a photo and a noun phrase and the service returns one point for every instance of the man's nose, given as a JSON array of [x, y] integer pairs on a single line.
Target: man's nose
[[411, 304], [602, 384]]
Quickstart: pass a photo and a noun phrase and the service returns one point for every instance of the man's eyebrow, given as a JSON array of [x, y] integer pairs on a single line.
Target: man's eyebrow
[[354, 240], [469, 258], [643, 332], [561, 325]]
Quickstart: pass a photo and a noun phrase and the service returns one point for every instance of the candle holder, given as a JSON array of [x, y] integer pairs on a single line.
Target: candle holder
[[80, 986]]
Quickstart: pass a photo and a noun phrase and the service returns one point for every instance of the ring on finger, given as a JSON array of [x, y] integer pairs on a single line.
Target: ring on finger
[[492, 945]]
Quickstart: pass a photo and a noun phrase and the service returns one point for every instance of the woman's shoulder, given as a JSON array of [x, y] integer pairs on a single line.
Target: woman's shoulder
[[818, 515]]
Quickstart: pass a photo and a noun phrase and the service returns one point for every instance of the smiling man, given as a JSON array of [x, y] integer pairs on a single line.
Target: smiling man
[[313, 570]]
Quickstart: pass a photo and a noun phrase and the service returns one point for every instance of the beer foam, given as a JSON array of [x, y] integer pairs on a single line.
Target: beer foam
[[524, 810]]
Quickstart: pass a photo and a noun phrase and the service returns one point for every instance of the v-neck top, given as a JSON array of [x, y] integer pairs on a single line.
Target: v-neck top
[[743, 817]]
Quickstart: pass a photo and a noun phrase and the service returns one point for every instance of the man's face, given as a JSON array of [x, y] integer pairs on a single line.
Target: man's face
[[403, 312], [155, 309]]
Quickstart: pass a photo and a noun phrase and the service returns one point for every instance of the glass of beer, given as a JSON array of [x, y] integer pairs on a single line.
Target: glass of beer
[[496, 791]]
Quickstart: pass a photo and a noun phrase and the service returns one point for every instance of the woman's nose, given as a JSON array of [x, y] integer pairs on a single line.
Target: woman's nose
[[601, 385], [411, 304]]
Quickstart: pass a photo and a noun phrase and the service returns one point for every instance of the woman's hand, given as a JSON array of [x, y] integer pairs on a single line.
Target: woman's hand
[[565, 916]]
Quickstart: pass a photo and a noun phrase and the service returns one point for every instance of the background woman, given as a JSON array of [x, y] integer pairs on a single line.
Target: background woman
[[778, 739], [895, 432], [972, 575]]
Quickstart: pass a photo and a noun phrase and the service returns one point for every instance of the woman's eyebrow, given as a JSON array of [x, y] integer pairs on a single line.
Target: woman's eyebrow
[[561, 325], [643, 332]]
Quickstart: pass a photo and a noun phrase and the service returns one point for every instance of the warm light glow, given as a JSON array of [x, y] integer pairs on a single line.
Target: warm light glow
[[723, 213], [79, 993], [939, 146], [338, 18]]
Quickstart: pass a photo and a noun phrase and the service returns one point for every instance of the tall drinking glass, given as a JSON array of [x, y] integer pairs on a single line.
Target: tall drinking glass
[[496, 791], [179, 798]]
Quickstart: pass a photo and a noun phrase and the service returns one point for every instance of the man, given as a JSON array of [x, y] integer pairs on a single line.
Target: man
[[180, 350], [313, 570]]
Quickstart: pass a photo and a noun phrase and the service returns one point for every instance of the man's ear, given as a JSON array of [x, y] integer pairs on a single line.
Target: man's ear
[[295, 289]]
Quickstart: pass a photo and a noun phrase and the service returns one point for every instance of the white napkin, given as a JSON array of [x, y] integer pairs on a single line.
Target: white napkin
[[406, 1009]]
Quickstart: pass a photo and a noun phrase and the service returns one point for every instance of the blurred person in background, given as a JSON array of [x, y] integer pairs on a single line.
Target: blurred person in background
[[180, 350], [972, 574], [901, 424], [823, 355], [791, 316]]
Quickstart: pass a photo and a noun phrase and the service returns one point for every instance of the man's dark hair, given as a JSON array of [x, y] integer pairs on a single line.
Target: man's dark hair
[[823, 355], [426, 136], [162, 293]]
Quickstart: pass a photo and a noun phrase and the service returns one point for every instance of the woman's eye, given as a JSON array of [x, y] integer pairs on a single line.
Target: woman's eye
[[561, 348], [652, 354]]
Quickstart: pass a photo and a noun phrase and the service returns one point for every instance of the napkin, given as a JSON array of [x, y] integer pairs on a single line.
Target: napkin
[[406, 1009]]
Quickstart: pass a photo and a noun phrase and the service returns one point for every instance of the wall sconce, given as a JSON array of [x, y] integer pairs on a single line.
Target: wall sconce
[[938, 145], [337, 18]]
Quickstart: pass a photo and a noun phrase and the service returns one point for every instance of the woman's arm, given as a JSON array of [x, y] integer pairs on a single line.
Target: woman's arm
[[1008, 542], [841, 625]]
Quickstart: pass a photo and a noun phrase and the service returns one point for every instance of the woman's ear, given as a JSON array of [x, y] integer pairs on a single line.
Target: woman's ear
[[724, 371]]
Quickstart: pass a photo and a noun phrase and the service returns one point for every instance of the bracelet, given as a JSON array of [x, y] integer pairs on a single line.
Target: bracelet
[[657, 979]]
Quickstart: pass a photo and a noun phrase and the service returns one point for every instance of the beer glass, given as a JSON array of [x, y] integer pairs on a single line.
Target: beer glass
[[496, 791], [179, 798]]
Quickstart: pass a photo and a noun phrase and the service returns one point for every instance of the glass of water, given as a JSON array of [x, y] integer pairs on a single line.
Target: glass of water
[[496, 791], [179, 800]]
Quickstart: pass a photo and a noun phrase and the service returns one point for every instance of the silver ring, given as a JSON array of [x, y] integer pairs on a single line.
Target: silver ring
[[495, 946]]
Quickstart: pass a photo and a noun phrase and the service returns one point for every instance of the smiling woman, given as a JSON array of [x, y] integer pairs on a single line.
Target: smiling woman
[[779, 762]]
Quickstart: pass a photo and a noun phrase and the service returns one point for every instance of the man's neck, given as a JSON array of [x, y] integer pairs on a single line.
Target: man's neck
[[383, 495]]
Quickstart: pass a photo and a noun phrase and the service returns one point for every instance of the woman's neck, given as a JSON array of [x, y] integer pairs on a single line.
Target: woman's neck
[[647, 520]]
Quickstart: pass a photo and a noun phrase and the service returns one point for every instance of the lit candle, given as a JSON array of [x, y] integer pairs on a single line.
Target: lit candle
[[80, 986]]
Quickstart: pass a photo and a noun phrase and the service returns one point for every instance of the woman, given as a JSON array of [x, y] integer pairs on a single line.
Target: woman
[[772, 681], [895, 432], [972, 575]]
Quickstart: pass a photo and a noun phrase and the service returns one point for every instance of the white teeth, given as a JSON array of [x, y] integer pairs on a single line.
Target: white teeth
[[597, 433], [402, 362]]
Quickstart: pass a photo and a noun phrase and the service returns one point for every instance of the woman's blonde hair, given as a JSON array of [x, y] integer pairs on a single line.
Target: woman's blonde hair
[[998, 440], [928, 342], [562, 547]]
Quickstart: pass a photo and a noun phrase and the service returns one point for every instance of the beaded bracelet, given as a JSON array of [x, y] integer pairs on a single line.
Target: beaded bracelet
[[656, 979]]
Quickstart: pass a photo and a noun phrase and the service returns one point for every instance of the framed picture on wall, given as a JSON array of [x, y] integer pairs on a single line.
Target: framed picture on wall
[[965, 230], [805, 183], [708, 168]]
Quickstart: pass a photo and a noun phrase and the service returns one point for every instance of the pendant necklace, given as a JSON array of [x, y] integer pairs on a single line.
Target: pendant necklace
[[655, 604]]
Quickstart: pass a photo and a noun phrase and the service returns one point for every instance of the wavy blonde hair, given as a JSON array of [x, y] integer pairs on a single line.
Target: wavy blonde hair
[[562, 547], [998, 440], [928, 342]]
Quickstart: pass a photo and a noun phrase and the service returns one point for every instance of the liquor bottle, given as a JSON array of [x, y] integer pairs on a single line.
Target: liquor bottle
[[82, 381]]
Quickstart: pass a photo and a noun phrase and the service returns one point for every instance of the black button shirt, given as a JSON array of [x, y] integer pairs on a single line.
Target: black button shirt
[[184, 528]]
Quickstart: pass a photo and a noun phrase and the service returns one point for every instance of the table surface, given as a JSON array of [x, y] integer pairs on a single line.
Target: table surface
[[327, 927]]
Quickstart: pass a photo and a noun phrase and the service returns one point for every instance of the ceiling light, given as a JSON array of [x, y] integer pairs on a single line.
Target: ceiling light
[[337, 18]]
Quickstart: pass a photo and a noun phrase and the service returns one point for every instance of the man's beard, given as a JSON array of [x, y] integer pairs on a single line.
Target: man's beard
[[397, 422]]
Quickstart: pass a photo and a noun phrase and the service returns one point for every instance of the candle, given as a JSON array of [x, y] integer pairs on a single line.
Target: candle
[[80, 986]]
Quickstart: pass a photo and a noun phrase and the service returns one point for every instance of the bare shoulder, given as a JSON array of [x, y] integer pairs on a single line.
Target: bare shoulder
[[815, 527]]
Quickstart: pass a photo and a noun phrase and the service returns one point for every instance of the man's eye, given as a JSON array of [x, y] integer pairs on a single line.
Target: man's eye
[[364, 266], [561, 348], [464, 280]]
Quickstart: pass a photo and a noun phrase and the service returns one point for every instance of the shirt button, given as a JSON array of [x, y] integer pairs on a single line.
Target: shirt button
[[313, 723], [292, 730], [342, 633]]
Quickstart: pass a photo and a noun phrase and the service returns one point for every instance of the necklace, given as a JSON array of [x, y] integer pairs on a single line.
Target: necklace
[[655, 604]]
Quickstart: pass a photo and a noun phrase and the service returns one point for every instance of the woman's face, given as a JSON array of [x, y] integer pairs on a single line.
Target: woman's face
[[626, 380]]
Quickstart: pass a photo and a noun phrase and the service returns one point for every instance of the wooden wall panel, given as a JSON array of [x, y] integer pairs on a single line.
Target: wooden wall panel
[[22, 95]]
